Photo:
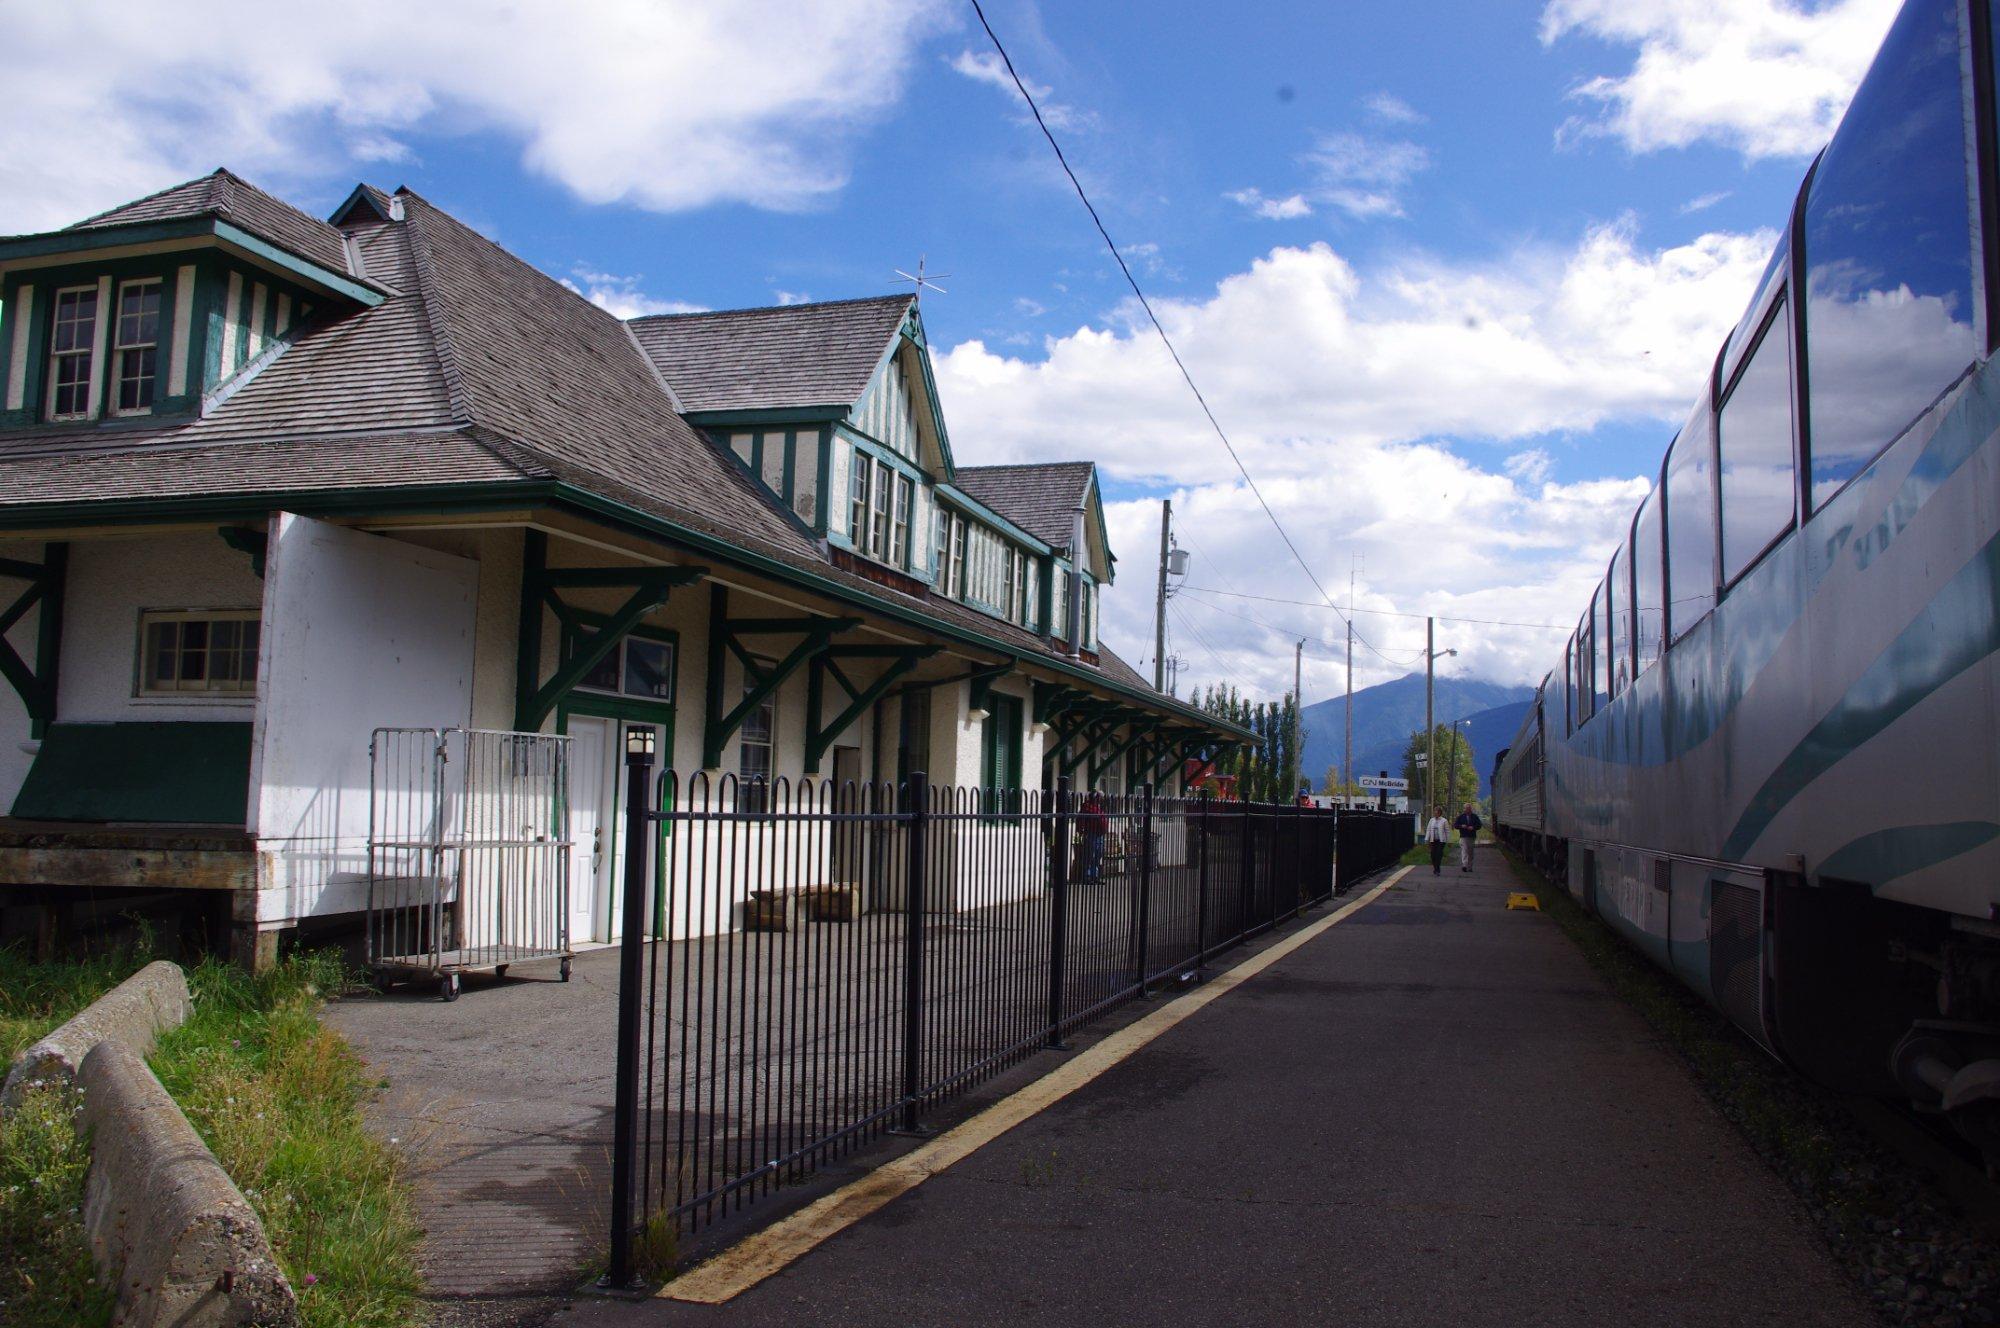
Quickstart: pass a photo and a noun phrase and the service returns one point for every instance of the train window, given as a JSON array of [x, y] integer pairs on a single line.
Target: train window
[[1600, 640], [1889, 243], [1586, 663], [1690, 525], [1569, 687], [1754, 430], [1618, 655], [1649, 576]]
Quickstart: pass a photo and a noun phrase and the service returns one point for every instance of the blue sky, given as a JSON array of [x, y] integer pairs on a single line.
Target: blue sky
[[1449, 273]]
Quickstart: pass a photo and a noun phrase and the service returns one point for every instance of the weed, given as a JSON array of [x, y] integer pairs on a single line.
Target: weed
[[278, 1099], [656, 1248], [45, 1269]]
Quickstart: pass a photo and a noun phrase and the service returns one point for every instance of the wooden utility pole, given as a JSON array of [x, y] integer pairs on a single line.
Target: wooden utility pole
[[1430, 725], [1160, 600], [1298, 718], [1347, 750]]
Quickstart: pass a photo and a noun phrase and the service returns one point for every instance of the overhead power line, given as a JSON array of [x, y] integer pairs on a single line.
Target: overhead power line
[[1152, 317], [1384, 613]]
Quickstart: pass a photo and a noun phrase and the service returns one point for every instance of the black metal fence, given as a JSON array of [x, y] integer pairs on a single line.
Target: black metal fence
[[1370, 841], [826, 963]]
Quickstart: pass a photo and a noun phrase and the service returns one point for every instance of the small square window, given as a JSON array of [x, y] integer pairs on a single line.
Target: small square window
[[203, 651]]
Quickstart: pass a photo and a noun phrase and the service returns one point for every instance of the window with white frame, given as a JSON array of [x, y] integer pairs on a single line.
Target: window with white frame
[[899, 537], [136, 347], [879, 504], [756, 749], [958, 538], [72, 346], [857, 516], [941, 550], [640, 667], [198, 651]]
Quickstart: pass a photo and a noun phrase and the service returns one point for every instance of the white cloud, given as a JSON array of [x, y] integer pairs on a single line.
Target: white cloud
[[1704, 202], [1289, 208], [1364, 176], [663, 104], [621, 296], [987, 67], [1031, 308], [1391, 109], [1768, 78], [1337, 385], [791, 297]]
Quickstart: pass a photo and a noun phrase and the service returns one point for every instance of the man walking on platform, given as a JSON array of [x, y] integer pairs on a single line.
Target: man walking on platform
[[1435, 835], [1468, 825]]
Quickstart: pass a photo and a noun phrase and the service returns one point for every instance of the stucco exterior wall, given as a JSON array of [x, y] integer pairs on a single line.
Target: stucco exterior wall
[[110, 583]]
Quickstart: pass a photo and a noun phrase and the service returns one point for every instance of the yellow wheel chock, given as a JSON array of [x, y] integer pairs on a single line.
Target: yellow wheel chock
[[1521, 899]]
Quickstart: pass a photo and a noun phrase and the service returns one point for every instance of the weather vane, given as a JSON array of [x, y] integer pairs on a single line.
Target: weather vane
[[920, 281]]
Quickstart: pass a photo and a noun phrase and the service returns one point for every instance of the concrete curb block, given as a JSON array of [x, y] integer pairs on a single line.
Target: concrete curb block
[[166, 1223], [134, 1012]]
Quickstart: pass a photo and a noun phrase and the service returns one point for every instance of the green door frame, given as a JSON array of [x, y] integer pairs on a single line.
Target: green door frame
[[36, 686]]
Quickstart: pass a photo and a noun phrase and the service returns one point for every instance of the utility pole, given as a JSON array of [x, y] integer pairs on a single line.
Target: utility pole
[[1160, 600], [1347, 750], [1430, 725], [1298, 717]]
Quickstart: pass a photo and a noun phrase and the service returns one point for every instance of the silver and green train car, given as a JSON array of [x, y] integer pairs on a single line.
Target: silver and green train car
[[1770, 752]]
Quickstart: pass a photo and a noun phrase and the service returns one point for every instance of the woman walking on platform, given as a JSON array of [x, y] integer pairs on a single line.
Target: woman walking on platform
[[1435, 836]]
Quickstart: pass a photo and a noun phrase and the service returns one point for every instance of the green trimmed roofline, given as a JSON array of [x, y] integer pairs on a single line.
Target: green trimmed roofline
[[513, 495], [25, 252]]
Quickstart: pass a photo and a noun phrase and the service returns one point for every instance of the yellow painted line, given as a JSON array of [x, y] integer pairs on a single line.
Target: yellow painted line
[[745, 1264]]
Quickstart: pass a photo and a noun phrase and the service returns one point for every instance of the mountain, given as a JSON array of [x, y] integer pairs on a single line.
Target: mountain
[[1386, 714]]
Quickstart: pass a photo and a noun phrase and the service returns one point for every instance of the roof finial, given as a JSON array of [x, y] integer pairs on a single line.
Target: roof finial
[[919, 281]]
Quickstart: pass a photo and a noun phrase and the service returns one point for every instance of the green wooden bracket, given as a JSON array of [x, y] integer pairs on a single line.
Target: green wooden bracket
[[981, 690], [595, 637], [1053, 698], [725, 636], [248, 539], [1099, 764], [1069, 726], [1095, 735], [820, 737], [36, 685]]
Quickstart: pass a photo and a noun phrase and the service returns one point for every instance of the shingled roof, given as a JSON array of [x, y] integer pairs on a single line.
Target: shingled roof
[[1040, 498], [221, 194], [784, 357], [478, 369]]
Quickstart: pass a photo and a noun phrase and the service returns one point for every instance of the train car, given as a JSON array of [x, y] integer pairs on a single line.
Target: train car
[[1770, 752]]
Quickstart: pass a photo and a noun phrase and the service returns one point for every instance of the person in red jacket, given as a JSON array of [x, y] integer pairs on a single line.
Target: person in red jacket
[[1093, 825]]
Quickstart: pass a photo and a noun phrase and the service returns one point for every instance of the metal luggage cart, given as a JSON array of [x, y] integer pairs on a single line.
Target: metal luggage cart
[[468, 853]]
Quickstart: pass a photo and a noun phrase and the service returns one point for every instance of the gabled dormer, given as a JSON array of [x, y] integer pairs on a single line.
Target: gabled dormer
[[145, 312]]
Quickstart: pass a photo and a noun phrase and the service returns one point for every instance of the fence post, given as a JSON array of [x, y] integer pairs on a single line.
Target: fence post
[[1143, 922], [1058, 913], [1201, 882], [1248, 879], [631, 965], [914, 888]]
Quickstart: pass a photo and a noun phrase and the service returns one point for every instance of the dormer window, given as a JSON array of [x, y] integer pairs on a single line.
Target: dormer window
[[72, 349], [137, 348]]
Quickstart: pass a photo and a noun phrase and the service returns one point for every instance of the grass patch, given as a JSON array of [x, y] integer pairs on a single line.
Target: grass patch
[[45, 1271], [277, 1097]]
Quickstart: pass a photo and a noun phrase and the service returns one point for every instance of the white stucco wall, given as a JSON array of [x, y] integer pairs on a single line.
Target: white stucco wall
[[110, 583], [15, 750]]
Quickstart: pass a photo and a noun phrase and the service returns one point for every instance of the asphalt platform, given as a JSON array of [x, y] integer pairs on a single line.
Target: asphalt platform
[[1433, 1113]]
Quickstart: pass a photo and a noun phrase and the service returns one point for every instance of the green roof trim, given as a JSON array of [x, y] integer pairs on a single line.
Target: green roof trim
[[444, 499], [52, 244]]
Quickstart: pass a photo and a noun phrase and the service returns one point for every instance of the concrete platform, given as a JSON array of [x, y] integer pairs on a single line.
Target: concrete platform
[[1433, 1113]]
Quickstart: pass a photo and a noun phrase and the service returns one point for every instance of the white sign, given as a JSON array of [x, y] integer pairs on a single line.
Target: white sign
[[1384, 782], [1423, 758]]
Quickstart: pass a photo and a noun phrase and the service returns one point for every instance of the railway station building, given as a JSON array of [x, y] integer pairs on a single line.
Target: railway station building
[[269, 483]]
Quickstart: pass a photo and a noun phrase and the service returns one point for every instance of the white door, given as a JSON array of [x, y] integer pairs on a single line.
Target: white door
[[590, 829]]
